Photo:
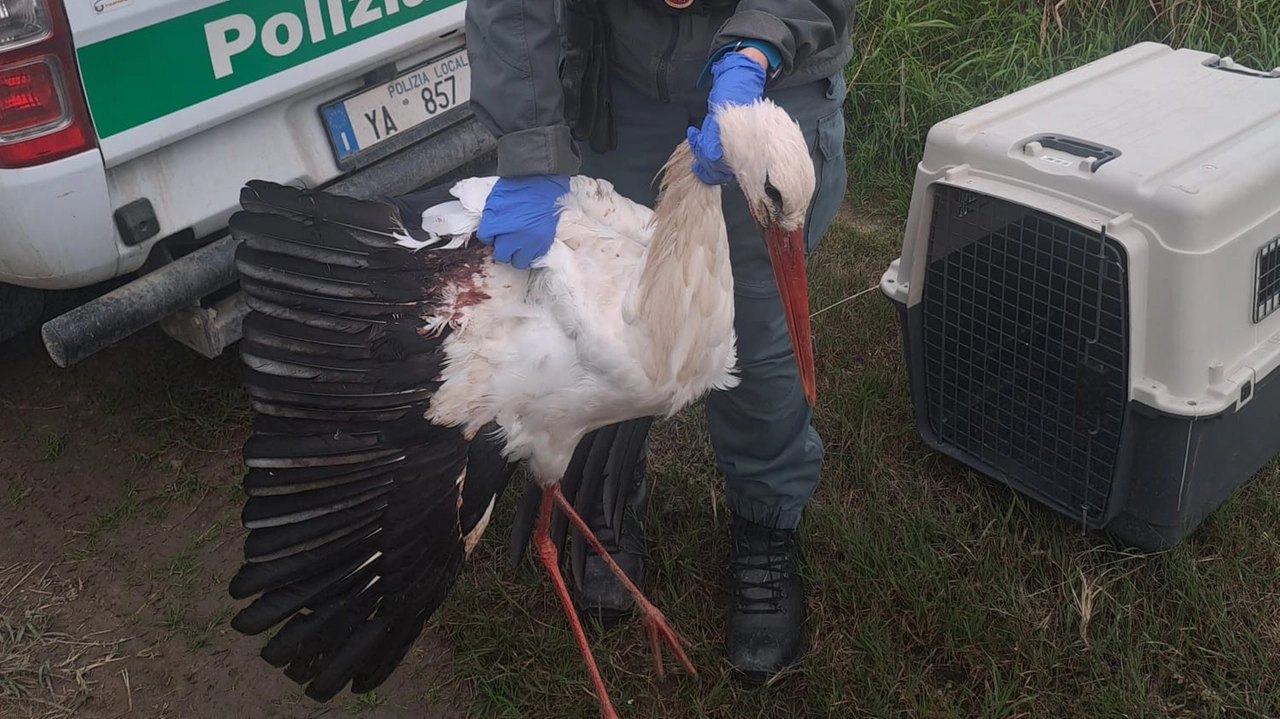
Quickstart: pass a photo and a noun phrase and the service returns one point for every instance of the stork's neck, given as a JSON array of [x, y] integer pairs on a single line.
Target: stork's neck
[[684, 291]]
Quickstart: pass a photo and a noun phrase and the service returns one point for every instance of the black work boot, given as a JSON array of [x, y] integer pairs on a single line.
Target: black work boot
[[598, 595], [766, 615]]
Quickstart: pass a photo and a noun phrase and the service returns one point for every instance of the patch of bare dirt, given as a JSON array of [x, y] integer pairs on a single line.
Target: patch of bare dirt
[[120, 499]]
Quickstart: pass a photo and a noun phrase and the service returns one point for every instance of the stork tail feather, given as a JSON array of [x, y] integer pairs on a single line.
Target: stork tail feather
[[360, 511]]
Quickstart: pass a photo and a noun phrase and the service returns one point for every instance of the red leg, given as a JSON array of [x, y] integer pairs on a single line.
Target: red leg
[[654, 622], [550, 559]]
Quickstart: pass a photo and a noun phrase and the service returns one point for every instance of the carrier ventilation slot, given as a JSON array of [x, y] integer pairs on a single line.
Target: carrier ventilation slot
[[1026, 347], [1266, 280]]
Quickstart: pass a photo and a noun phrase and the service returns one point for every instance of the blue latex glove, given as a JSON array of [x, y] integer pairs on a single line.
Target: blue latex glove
[[520, 217], [739, 80]]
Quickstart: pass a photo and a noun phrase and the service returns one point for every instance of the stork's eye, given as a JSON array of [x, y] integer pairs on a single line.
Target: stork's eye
[[772, 192]]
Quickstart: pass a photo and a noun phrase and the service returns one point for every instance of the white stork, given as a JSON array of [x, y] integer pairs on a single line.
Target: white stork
[[398, 372]]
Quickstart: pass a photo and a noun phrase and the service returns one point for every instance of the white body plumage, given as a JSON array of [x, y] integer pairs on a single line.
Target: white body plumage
[[551, 353]]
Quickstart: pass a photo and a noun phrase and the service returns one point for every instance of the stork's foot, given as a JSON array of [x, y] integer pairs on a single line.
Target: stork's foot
[[656, 626], [660, 632]]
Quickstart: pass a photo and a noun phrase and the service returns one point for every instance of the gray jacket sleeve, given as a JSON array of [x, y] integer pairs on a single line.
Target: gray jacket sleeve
[[805, 32], [514, 51]]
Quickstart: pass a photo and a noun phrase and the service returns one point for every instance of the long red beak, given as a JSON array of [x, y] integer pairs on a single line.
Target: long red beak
[[786, 252]]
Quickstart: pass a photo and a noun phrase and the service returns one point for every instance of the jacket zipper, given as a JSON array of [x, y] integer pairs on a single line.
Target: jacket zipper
[[664, 94]]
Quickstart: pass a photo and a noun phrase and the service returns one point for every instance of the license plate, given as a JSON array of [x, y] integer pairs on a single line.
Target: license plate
[[373, 116]]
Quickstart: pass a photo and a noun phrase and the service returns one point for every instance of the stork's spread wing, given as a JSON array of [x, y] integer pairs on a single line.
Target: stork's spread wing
[[360, 510]]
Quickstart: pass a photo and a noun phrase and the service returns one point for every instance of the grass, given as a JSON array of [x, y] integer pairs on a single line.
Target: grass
[[181, 417], [15, 495], [366, 702], [918, 62], [52, 446], [148, 458], [932, 592], [44, 673]]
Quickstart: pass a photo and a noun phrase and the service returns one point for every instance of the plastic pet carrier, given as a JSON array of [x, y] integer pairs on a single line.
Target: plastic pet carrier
[[1089, 285]]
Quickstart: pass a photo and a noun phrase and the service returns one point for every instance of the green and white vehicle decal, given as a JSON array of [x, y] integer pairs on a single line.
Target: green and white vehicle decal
[[207, 53]]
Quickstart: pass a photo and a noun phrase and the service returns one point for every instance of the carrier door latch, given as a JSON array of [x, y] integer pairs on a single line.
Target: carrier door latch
[[1100, 154]]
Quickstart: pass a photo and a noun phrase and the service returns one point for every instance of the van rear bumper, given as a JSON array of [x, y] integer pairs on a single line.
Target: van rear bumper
[[55, 224]]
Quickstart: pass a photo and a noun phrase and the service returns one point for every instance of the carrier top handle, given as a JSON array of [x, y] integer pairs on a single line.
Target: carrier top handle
[[1101, 154], [1226, 64]]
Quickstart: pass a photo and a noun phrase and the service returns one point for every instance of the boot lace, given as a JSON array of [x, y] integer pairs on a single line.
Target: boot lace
[[762, 563]]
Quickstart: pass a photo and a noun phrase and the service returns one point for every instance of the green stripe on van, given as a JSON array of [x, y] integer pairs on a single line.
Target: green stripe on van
[[139, 76]]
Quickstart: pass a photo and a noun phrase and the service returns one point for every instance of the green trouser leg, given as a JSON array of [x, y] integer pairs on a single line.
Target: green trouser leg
[[765, 445]]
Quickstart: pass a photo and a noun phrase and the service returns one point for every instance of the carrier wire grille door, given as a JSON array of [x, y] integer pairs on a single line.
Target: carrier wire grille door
[[1025, 342]]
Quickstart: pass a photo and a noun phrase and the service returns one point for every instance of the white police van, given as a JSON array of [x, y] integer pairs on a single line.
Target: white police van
[[127, 128]]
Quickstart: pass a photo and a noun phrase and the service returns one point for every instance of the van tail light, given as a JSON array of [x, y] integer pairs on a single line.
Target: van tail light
[[43, 115]]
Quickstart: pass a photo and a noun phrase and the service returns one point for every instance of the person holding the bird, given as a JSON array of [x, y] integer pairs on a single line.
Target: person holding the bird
[[606, 88]]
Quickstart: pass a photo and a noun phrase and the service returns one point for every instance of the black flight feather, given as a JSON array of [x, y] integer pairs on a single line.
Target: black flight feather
[[585, 482], [488, 474], [256, 577], [267, 543], [269, 482], [618, 457], [627, 461], [370, 222], [526, 518], [296, 236], [311, 319], [279, 510]]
